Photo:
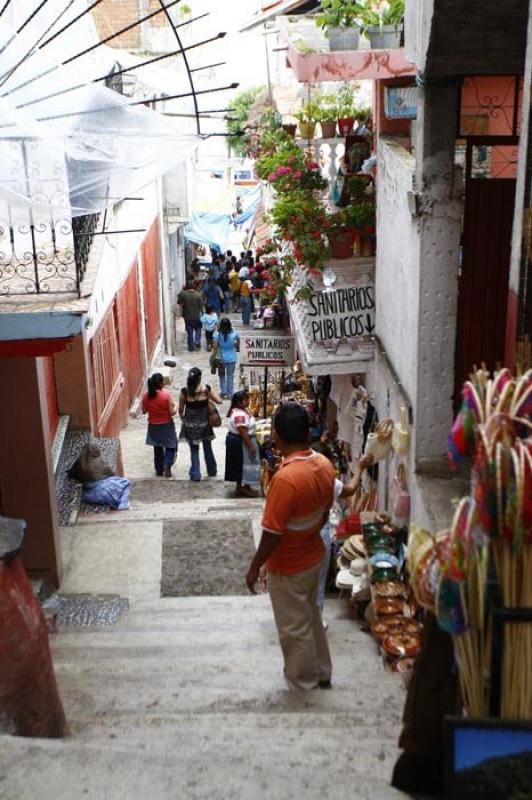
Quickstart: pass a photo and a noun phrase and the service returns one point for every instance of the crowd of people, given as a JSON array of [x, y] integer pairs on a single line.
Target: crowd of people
[[230, 286]]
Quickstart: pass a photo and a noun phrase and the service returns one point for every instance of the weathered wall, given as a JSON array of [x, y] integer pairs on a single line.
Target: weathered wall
[[397, 272], [120, 252], [447, 38], [439, 185]]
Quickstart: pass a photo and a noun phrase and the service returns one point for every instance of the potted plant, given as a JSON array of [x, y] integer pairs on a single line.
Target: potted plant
[[360, 220], [346, 109], [307, 117], [328, 116], [340, 235], [382, 22], [339, 19], [290, 128]]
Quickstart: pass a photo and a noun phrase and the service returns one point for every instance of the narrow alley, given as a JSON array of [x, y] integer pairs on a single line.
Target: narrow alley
[[184, 696], [287, 243]]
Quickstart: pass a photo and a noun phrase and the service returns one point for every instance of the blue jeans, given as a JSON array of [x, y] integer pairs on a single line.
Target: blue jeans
[[325, 534], [210, 461], [228, 301], [163, 457], [193, 327], [245, 303], [226, 373]]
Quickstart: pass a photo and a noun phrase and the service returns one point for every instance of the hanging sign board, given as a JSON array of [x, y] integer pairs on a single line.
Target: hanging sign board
[[267, 349], [342, 313]]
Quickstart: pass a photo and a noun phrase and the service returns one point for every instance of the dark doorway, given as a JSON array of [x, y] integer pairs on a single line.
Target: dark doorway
[[483, 282]]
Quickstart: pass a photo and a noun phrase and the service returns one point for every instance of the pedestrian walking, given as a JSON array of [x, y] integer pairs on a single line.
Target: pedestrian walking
[[194, 403], [242, 464], [246, 301], [213, 295], [223, 283], [234, 285], [228, 345], [191, 303], [160, 407], [209, 321], [298, 502]]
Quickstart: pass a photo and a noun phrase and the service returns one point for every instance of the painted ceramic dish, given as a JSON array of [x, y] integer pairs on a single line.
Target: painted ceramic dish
[[387, 625], [383, 574], [401, 644], [384, 560], [403, 664], [386, 606], [389, 588]]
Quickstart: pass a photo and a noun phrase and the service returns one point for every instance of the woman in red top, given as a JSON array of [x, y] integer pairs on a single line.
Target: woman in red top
[[160, 407]]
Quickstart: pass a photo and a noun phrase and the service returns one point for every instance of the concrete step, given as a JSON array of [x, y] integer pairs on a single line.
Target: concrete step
[[211, 757]]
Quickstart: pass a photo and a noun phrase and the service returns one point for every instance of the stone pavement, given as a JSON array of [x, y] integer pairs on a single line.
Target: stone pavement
[[184, 697]]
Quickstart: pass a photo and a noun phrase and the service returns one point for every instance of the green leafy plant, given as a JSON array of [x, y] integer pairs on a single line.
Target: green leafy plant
[[338, 13], [378, 13], [346, 100], [238, 114], [308, 113], [328, 108]]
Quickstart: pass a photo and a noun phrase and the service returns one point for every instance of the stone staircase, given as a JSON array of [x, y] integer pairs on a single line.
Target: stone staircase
[[184, 698]]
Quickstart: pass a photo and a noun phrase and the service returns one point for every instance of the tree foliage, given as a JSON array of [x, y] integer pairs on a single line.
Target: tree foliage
[[238, 111]]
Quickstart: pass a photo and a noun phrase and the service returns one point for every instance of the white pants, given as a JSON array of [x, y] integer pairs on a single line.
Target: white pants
[[303, 640]]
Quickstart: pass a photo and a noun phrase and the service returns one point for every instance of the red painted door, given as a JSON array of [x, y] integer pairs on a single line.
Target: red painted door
[[483, 284], [129, 334], [151, 272]]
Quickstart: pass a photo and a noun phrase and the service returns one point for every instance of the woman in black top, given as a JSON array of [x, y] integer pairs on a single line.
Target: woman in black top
[[194, 413]]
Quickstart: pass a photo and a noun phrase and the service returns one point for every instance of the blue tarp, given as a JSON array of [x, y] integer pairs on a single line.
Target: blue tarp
[[208, 228], [213, 229]]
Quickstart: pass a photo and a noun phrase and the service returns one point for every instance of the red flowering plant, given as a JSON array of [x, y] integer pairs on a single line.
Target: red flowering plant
[[300, 218]]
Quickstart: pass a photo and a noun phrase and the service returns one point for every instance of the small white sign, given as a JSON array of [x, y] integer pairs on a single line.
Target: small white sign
[[347, 313], [267, 349]]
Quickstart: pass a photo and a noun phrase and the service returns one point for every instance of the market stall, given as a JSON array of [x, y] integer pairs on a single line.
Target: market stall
[[475, 581]]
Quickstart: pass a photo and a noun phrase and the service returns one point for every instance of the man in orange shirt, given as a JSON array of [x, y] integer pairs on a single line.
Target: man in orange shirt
[[298, 502]]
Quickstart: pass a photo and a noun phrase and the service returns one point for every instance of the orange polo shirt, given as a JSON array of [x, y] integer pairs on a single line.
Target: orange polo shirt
[[300, 494]]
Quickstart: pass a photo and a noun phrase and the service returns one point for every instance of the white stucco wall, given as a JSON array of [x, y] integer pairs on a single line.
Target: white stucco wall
[[120, 251], [418, 18], [397, 272]]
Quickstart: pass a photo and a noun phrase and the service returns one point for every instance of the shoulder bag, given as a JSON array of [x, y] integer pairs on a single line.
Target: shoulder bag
[[215, 419]]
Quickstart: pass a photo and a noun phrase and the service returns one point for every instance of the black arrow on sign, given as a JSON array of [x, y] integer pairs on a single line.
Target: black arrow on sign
[[369, 327]]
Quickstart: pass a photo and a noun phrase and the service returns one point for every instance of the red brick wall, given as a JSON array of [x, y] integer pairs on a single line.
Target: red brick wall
[[113, 15]]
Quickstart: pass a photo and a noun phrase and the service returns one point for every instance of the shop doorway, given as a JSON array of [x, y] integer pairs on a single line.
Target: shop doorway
[[490, 169]]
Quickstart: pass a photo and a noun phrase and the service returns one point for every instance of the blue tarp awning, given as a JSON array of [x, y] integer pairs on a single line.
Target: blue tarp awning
[[206, 227]]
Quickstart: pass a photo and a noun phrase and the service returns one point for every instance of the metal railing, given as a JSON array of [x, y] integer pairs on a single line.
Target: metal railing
[[42, 257]]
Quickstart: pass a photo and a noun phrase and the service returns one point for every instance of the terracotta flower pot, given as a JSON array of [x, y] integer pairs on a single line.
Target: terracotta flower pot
[[368, 247], [341, 242], [328, 129], [307, 129], [290, 128], [345, 125]]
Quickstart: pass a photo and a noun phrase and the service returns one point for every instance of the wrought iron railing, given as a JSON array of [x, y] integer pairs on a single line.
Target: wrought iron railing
[[83, 229], [45, 256]]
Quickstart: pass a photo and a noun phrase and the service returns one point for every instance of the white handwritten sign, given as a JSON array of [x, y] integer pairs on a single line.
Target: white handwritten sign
[[267, 349], [342, 313]]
